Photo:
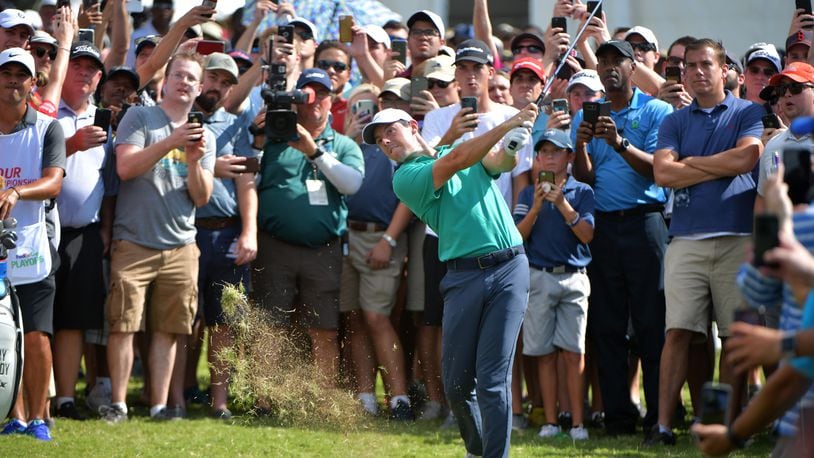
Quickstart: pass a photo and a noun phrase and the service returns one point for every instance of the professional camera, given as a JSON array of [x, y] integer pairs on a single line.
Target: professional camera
[[281, 120]]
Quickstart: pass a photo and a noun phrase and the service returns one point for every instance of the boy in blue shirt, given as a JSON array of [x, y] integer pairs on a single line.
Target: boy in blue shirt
[[556, 222]]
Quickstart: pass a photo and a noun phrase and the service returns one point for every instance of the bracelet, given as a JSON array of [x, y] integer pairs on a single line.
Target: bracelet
[[19, 195], [734, 439], [390, 241], [64, 49], [575, 221]]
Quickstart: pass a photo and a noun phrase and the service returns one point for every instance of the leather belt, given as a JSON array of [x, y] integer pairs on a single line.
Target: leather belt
[[216, 223], [366, 226], [561, 269], [634, 211], [486, 261]]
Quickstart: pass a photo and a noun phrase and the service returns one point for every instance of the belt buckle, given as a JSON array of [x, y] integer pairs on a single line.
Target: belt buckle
[[480, 258], [558, 270]]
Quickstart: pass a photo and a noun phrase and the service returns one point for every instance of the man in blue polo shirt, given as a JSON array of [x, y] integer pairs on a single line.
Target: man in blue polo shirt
[[706, 153], [615, 157], [486, 286]]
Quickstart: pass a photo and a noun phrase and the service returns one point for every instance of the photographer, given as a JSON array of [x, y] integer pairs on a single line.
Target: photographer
[[301, 217]]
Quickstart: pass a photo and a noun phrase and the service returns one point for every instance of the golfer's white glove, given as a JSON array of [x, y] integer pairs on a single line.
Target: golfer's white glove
[[515, 140]]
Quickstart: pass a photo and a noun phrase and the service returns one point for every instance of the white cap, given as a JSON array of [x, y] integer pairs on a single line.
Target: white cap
[[427, 15], [19, 55], [386, 116], [41, 36], [588, 78], [765, 51], [377, 34], [301, 21], [398, 86], [11, 18], [440, 67], [34, 19], [646, 33]]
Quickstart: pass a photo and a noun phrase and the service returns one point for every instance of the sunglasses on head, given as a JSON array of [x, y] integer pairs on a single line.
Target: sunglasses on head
[[305, 35], [533, 49], [643, 46], [767, 72], [41, 52], [794, 88], [337, 66], [441, 84]]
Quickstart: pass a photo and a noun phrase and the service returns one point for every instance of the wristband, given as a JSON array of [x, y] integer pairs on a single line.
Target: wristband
[[788, 344], [390, 241], [19, 195], [319, 152], [575, 221], [734, 439]]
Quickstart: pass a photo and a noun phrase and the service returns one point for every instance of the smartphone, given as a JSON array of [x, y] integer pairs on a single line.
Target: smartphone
[[764, 237], [673, 74], [748, 315], [195, 117], [770, 121], [470, 102], [559, 23], [798, 175], [287, 32], [715, 403], [209, 4], [102, 118], [252, 165], [418, 84], [61, 3], [559, 105], [803, 5], [400, 46], [345, 32], [85, 35], [596, 7], [591, 111], [206, 47], [546, 176], [565, 73], [364, 106]]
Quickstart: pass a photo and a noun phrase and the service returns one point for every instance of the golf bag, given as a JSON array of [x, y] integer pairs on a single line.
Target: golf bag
[[11, 326]]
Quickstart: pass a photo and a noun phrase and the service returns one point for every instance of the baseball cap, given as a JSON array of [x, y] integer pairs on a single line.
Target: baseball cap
[[528, 63], [143, 42], [446, 51], [314, 75], [734, 64], [621, 47], [386, 116], [645, 33], [798, 38], [440, 68], [556, 136], [528, 35], [11, 18], [239, 55], [588, 78], [87, 49], [765, 51], [398, 86], [41, 36], [377, 34], [221, 61], [20, 56], [475, 51], [302, 22], [799, 72], [429, 16], [211, 31], [126, 71]]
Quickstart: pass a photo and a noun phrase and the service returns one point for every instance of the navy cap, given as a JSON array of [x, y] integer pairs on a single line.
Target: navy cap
[[126, 71], [621, 47], [556, 136], [314, 75], [474, 50]]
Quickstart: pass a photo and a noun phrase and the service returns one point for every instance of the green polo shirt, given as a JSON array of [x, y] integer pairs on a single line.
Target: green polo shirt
[[284, 210], [468, 212]]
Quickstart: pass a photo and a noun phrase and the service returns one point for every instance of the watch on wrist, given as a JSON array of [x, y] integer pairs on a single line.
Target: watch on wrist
[[317, 153], [788, 345], [734, 439], [390, 240], [623, 146]]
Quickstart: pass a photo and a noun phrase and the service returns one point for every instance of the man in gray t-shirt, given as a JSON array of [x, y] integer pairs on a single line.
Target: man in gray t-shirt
[[166, 165]]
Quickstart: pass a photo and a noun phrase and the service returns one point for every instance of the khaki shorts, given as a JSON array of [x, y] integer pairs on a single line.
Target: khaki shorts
[[557, 314], [372, 290], [415, 266], [163, 281], [699, 275]]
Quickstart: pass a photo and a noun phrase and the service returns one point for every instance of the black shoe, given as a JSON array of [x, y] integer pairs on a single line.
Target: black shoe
[[222, 414], [402, 412], [656, 437], [68, 410], [565, 421], [194, 395], [163, 415]]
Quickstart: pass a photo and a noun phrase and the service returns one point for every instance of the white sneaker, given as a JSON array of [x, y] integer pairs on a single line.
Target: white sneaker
[[579, 433], [368, 401], [99, 396], [549, 431], [432, 410]]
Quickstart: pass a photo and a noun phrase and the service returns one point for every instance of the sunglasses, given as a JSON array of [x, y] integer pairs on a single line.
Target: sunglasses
[[533, 49], [337, 66], [643, 46], [305, 35], [794, 88], [441, 84], [41, 52], [767, 72]]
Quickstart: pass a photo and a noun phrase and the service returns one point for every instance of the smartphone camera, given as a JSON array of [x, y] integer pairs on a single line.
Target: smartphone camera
[[798, 174], [715, 403]]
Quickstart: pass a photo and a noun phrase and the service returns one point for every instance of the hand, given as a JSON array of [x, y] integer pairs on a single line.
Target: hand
[[305, 143], [795, 265], [392, 67], [558, 88], [751, 346], [516, 139], [799, 19], [63, 27], [281, 50], [556, 43], [285, 8], [262, 9], [776, 198], [246, 248], [463, 122], [674, 94], [379, 256], [195, 149], [260, 127], [189, 46], [357, 123], [8, 199], [712, 439], [196, 15], [358, 45], [525, 117], [229, 166], [184, 134], [606, 129], [423, 103], [563, 8], [539, 196], [597, 28], [86, 138], [585, 133], [770, 132], [91, 16], [558, 120], [554, 195]]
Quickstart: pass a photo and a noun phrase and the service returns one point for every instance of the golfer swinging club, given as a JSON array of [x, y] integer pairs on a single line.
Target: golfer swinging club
[[486, 287]]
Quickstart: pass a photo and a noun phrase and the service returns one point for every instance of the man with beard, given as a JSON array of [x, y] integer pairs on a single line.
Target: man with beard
[[615, 156], [227, 226], [424, 40], [33, 146], [84, 234], [117, 91]]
